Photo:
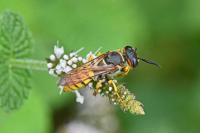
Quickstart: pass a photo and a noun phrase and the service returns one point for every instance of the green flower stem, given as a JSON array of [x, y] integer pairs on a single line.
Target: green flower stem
[[29, 64]]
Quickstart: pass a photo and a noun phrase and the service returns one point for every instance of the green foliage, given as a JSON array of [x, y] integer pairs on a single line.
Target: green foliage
[[165, 31], [15, 43]]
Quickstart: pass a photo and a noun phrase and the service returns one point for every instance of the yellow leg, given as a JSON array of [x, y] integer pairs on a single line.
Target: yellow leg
[[113, 84], [98, 86], [125, 71]]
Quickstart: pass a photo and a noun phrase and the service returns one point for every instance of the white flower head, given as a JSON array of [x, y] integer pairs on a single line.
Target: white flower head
[[79, 97], [72, 54], [51, 72], [66, 57], [58, 51], [58, 67], [49, 65], [74, 59], [59, 71], [63, 63], [110, 88], [90, 85], [69, 62], [80, 58], [52, 57], [74, 65], [84, 60], [67, 69]]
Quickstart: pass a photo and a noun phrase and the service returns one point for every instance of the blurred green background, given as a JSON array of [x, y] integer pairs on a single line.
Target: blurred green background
[[166, 31]]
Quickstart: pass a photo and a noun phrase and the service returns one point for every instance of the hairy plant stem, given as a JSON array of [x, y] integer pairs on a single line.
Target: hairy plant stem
[[30, 64]]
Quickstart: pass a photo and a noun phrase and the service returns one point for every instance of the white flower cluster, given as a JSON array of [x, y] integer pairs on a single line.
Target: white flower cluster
[[60, 63]]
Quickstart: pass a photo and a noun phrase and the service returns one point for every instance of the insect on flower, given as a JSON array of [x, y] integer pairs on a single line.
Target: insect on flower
[[99, 72]]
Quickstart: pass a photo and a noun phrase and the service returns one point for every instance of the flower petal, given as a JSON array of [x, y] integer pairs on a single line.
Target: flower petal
[[79, 97]]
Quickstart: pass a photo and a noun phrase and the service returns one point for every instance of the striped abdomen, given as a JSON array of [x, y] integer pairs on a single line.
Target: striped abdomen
[[76, 79]]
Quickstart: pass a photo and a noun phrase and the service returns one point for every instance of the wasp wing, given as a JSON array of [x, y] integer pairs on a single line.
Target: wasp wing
[[86, 71]]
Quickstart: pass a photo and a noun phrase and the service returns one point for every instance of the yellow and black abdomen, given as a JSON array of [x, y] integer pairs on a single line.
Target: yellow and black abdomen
[[76, 79]]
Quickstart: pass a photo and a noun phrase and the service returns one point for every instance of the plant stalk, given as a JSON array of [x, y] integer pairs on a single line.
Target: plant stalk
[[29, 64]]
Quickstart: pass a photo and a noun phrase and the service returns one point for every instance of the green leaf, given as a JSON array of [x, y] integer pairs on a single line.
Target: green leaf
[[15, 43]]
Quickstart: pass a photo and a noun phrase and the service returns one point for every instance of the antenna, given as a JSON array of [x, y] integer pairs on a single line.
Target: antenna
[[150, 62]]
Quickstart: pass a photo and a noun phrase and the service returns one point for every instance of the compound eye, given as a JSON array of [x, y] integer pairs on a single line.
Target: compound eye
[[131, 56]]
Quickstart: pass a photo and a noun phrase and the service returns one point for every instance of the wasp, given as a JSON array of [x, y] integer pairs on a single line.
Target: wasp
[[106, 66]]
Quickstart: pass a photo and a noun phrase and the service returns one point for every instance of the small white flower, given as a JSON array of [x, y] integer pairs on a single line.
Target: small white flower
[[49, 65], [115, 103], [99, 90], [59, 71], [61, 89], [107, 92], [72, 54], [51, 72], [84, 60], [115, 81], [58, 51], [74, 65], [113, 99], [125, 93], [63, 63], [79, 97], [80, 58], [110, 88], [74, 59], [90, 85], [69, 62], [67, 69], [66, 57], [58, 67], [103, 80], [52, 57]]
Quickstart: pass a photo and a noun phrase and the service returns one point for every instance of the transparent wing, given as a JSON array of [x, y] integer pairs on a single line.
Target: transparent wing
[[86, 71]]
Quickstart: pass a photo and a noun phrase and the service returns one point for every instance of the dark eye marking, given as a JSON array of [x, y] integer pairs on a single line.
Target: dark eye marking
[[113, 58], [131, 55]]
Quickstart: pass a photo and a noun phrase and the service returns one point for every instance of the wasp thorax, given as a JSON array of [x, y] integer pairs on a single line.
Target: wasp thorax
[[131, 56], [113, 58]]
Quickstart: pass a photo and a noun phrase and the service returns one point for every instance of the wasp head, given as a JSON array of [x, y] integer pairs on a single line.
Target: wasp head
[[131, 56]]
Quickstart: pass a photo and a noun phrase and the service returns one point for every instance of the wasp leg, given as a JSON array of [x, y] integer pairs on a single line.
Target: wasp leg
[[111, 82], [98, 86], [124, 71]]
